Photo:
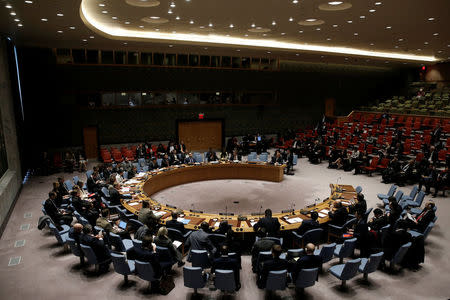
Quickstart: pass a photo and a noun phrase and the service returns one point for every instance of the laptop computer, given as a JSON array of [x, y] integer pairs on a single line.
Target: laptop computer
[[122, 225]]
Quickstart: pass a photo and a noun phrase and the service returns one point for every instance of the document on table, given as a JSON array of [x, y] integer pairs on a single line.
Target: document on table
[[125, 189], [252, 223], [141, 174], [183, 220], [133, 203], [294, 220], [159, 213], [345, 202], [132, 181], [216, 224], [177, 243], [323, 213]]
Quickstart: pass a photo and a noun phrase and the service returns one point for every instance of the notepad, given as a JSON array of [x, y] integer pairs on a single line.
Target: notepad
[[321, 215], [216, 224], [141, 174], [183, 220], [294, 220], [125, 189], [177, 243], [159, 213], [325, 211], [345, 202], [133, 203]]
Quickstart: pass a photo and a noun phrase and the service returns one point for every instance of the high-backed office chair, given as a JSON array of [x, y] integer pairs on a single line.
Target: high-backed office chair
[[345, 250], [145, 271], [418, 201], [311, 236], [91, 257], [415, 233], [61, 237], [337, 231], [412, 194], [68, 184], [306, 278], [346, 271], [75, 249], [399, 255], [123, 266], [326, 252], [370, 265], [176, 235], [390, 193]]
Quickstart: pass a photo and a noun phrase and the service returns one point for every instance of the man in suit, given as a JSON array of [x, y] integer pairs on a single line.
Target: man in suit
[[361, 233], [165, 162], [175, 224], [114, 195], [62, 187], [93, 183], [147, 217], [339, 216], [75, 232], [267, 226], [263, 244], [235, 156], [289, 162], [103, 222], [275, 264], [189, 160], [309, 261], [378, 221], [224, 262], [360, 204], [57, 215], [309, 224], [199, 240], [98, 246], [424, 218], [146, 253], [277, 158]]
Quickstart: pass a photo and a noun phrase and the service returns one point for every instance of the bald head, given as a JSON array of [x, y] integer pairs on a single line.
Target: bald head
[[77, 227], [310, 248]]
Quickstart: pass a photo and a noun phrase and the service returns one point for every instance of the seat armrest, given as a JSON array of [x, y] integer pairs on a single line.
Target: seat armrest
[[297, 235], [186, 235]]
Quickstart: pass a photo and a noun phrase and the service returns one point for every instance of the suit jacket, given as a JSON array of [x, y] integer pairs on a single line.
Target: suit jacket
[[269, 226], [147, 217], [75, 235], [145, 255], [227, 263], [199, 240], [275, 264], [92, 186], [263, 244], [376, 224], [189, 160], [62, 189], [176, 225], [52, 210], [104, 223], [339, 217], [80, 205], [277, 160], [97, 245], [114, 196], [306, 262], [361, 232], [425, 219], [307, 225], [165, 163]]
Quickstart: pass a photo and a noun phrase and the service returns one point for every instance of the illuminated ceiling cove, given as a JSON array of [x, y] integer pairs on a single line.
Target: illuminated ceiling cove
[[95, 18]]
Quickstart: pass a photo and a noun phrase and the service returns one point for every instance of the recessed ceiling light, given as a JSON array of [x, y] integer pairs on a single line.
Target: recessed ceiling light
[[60, 15], [210, 24], [297, 54], [170, 11], [91, 37], [72, 27], [419, 49], [355, 33], [372, 10], [127, 22], [238, 50], [388, 27], [125, 43], [362, 17], [440, 51], [371, 44], [295, 1], [191, 22], [269, 52], [101, 4], [426, 43], [154, 18], [318, 28], [114, 18], [8, 6], [264, 34], [12, 13], [206, 48], [346, 58], [253, 25], [141, 26], [283, 33], [435, 34], [396, 47], [104, 11], [84, 40], [44, 20], [177, 18], [20, 25], [59, 31], [156, 29], [291, 19], [335, 25], [328, 39], [29, 2], [431, 19], [231, 25], [335, 2], [172, 4], [170, 46], [274, 23], [16, 20], [301, 31], [311, 20], [202, 27], [400, 40], [245, 34], [377, 3], [349, 21]]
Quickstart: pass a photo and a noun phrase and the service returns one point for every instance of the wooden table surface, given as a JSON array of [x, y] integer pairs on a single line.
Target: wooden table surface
[[154, 182]]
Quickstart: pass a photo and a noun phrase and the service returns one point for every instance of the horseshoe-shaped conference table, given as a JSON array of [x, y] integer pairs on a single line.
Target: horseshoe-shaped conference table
[[144, 185]]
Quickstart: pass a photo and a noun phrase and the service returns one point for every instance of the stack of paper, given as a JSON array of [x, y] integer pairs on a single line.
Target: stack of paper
[[294, 220], [159, 213], [133, 203], [125, 189]]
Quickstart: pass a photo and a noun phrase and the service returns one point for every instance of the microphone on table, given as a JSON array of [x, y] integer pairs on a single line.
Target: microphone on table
[[338, 189]]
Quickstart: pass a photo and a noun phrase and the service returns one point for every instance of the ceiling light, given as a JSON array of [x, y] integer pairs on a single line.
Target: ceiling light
[[436, 34], [283, 33], [101, 4], [426, 43], [202, 27], [114, 18], [311, 20], [44, 20], [128, 23], [170, 46], [91, 37], [355, 33], [335, 25], [388, 27], [20, 25], [16, 20], [170, 11], [154, 18], [269, 52], [191, 22], [28, 1], [253, 25], [297, 54], [377, 3], [72, 27], [431, 19], [84, 40], [104, 11], [264, 34], [259, 28], [349, 21], [156, 29], [400, 40], [125, 43], [396, 47], [206, 48], [291, 19], [301, 31], [238, 50], [328, 39], [172, 4], [295, 1], [210, 24], [371, 44], [177, 18], [245, 34], [318, 28], [362, 17], [12, 13], [372, 10], [231, 25], [60, 15], [335, 2], [141, 26], [274, 23], [59, 31], [8, 6]]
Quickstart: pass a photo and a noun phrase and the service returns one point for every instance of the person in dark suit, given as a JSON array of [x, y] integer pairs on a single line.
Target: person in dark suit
[[57, 215], [267, 226], [114, 195], [211, 155], [93, 183], [361, 233], [199, 240], [62, 187], [235, 156], [162, 240], [309, 224], [339, 216], [75, 232], [309, 261], [289, 160], [275, 264], [98, 246], [147, 217], [360, 204], [423, 219], [224, 262], [263, 244], [175, 224], [378, 221], [146, 253], [395, 210], [189, 159], [277, 158], [165, 162]]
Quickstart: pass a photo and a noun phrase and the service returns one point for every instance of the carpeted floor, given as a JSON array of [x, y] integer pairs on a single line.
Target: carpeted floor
[[45, 271]]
